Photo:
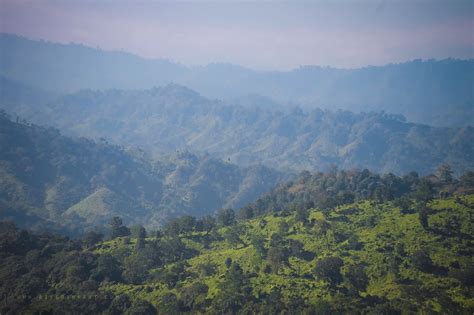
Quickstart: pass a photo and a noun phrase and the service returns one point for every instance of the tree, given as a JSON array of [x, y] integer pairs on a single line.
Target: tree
[[138, 231], [91, 238], [246, 213], [423, 214], [277, 257], [205, 224], [283, 228], [329, 269], [357, 277], [232, 235], [141, 307], [404, 204], [172, 228], [422, 261], [234, 291], [444, 173], [424, 191], [120, 304], [117, 229], [187, 223], [301, 215], [225, 217], [108, 268], [140, 244], [258, 242], [168, 304], [193, 297]]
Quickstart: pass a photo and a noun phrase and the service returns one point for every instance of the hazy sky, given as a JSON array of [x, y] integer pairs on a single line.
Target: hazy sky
[[257, 34]]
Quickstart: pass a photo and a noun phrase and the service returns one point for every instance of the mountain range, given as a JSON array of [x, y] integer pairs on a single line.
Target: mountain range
[[436, 92], [174, 118]]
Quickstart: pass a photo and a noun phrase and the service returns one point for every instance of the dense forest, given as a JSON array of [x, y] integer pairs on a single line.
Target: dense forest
[[236, 157], [333, 243], [51, 181], [172, 117], [435, 92]]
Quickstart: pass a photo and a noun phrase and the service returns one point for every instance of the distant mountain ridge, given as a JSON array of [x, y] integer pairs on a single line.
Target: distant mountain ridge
[[170, 118], [433, 92]]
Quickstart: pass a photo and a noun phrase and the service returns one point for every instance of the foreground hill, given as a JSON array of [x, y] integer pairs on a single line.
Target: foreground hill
[[50, 180], [173, 118], [403, 252], [432, 92]]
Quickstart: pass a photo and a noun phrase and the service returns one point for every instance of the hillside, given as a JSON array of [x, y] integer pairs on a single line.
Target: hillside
[[432, 92], [374, 255], [48, 180], [172, 117]]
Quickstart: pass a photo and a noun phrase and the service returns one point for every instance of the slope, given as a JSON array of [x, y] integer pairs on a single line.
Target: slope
[[43, 174], [172, 117]]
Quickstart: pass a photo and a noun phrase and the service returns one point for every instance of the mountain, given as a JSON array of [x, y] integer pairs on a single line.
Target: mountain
[[406, 252], [51, 181], [431, 92], [173, 117]]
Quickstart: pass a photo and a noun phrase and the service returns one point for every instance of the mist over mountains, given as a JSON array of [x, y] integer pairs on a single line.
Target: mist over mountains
[[196, 153], [433, 92], [174, 118], [131, 185]]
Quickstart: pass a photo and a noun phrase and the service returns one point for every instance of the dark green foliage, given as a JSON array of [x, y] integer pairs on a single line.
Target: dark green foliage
[[277, 257], [233, 235], [357, 277], [117, 229], [258, 242], [92, 238], [329, 269], [464, 275], [108, 268], [193, 297], [422, 261], [206, 223], [234, 291], [423, 215], [207, 269], [120, 304], [140, 307], [138, 231], [301, 215], [225, 217], [168, 304], [445, 174]]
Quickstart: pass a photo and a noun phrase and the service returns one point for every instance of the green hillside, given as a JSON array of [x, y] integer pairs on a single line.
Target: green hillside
[[172, 117], [411, 254], [49, 181]]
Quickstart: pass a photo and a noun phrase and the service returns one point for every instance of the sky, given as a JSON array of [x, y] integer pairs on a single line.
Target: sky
[[265, 35]]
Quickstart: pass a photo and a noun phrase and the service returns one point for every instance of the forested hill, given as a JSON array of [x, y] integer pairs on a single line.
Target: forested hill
[[432, 92], [173, 117], [48, 180], [395, 246]]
